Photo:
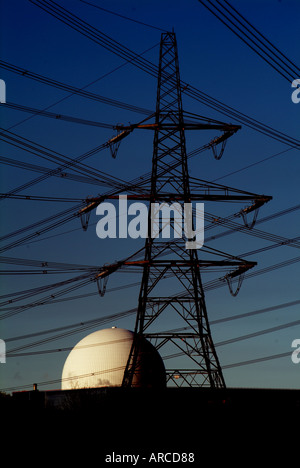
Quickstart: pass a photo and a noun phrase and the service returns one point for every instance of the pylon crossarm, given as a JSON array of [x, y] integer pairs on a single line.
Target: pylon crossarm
[[241, 265], [209, 192], [228, 130]]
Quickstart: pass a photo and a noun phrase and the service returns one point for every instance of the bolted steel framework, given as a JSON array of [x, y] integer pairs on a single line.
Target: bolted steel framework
[[171, 291], [171, 288]]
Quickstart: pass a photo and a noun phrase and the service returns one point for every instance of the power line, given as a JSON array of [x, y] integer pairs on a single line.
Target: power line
[[258, 333], [221, 282], [253, 164], [226, 366], [94, 34], [51, 222], [41, 198], [78, 325], [50, 155], [254, 41], [102, 177], [262, 36], [44, 152], [66, 331], [255, 312], [58, 381], [84, 325], [72, 89], [118, 49], [45, 268], [76, 297], [87, 278], [212, 218], [124, 17], [57, 172], [257, 360], [82, 88], [59, 117], [14, 352], [71, 285]]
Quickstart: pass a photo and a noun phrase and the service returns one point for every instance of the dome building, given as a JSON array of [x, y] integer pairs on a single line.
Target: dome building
[[99, 360]]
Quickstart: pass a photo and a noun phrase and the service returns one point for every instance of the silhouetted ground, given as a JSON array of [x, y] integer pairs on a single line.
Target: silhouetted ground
[[223, 424]]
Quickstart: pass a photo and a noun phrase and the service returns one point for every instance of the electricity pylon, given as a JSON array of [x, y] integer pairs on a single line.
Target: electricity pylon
[[171, 291], [171, 285]]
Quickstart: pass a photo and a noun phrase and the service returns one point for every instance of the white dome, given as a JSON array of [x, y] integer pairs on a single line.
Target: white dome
[[99, 360]]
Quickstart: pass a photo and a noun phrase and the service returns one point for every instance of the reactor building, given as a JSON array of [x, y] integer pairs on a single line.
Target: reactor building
[[100, 359]]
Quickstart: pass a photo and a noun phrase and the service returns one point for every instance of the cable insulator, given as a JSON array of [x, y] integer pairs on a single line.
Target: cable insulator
[[101, 284], [229, 282], [217, 155], [84, 218], [246, 223], [114, 142]]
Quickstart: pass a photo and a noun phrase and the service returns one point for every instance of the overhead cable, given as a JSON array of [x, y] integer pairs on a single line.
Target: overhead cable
[[117, 48], [257, 42], [56, 116], [123, 16], [72, 89]]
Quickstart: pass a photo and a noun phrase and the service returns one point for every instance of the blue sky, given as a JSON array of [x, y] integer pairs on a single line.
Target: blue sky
[[213, 60]]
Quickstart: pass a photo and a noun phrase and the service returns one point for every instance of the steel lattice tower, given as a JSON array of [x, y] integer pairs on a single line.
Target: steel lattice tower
[[171, 290], [170, 181]]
